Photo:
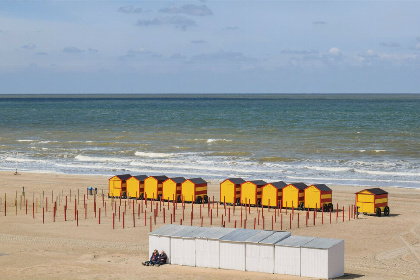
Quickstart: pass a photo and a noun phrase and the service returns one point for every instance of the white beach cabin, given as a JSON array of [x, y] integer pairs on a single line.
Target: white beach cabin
[[183, 246], [232, 248], [207, 248], [260, 250], [323, 258], [287, 254]]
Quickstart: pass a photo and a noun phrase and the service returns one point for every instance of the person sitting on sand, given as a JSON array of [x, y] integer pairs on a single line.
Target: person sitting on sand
[[153, 258], [162, 258]]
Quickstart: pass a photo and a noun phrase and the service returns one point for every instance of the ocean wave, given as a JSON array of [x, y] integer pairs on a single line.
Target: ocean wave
[[389, 173], [99, 159], [26, 140], [13, 159], [329, 169], [153, 155]]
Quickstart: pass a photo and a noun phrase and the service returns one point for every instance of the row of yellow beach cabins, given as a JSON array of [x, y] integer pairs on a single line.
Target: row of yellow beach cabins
[[239, 191], [232, 190]]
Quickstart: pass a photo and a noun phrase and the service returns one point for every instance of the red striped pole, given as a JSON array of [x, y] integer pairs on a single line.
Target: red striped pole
[[263, 218], [254, 222], [235, 224], [164, 215], [229, 216], [171, 219], [145, 217], [211, 216], [113, 221], [201, 221], [77, 217]]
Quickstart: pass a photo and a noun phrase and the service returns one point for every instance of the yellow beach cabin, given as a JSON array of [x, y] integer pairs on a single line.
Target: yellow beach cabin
[[251, 192], [293, 195], [117, 185], [373, 201], [230, 190], [318, 196], [272, 193], [194, 189], [135, 186], [171, 188], [153, 186]]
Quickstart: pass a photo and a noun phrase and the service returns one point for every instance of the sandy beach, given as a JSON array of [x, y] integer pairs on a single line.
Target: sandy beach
[[375, 248]]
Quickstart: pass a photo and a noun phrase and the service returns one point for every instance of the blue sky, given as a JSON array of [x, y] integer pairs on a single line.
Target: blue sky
[[209, 46]]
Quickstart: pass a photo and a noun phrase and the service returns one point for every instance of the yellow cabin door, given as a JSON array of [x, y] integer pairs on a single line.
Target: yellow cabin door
[[290, 197], [227, 192], [365, 203], [188, 191], [312, 199], [133, 189], [169, 191], [269, 196], [150, 188], [248, 193], [116, 187]]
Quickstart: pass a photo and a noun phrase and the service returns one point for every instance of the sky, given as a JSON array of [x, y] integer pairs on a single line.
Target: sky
[[209, 46]]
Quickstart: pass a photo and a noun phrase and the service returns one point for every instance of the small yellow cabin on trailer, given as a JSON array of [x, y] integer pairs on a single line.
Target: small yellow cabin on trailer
[[293, 195], [318, 196], [272, 193], [251, 192], [153, 186], [171, 189], [135, 186], [117, 185], [194, 189], [230, 190], [372, 201]]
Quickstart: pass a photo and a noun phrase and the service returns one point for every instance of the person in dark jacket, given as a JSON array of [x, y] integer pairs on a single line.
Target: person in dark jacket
[[162, 258], [153, 259]]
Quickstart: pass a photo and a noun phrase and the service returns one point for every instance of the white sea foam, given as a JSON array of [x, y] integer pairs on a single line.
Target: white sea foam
[[100, 159], [26, 140], [330, 169], [389, 173], [153, 155], [218, 140]]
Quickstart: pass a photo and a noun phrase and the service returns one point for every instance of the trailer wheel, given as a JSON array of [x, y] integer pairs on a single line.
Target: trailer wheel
[[141, 196], [378, 212], [179, 199], [198, 199], [258, 202], [301, 206], [386, 211], [238, 201], [326, 207], [331, 207], [206, 199]]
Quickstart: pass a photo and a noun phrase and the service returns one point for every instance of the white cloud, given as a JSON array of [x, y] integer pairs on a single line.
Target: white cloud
[[334, 51]]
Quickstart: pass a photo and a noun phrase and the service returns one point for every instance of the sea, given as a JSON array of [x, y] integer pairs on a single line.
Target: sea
[[334, 139]]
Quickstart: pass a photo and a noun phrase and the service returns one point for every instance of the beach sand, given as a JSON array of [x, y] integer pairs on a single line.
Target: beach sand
[[375, 248]]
